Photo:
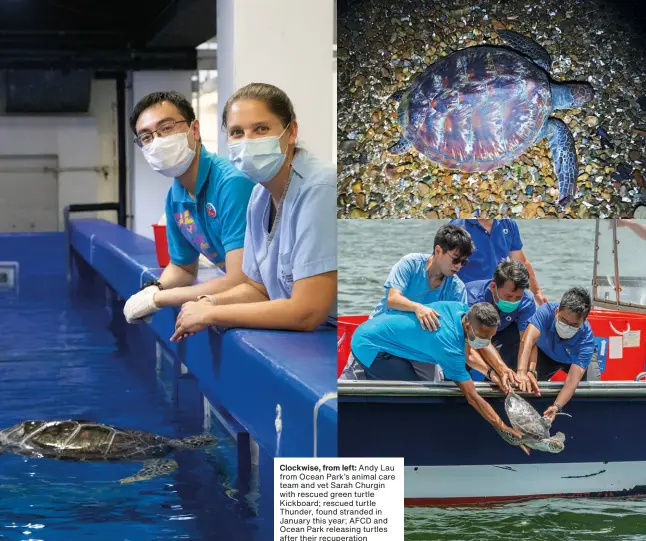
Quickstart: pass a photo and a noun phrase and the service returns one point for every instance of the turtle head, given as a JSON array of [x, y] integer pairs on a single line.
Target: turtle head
[[571, 95]]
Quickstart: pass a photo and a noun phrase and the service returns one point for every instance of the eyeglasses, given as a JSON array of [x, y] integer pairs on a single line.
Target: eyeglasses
[[165, 129], [563, 322]]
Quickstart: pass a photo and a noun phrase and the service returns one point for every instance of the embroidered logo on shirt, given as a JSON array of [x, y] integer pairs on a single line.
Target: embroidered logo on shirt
[[505, 231], [508, 318], [210, 210]]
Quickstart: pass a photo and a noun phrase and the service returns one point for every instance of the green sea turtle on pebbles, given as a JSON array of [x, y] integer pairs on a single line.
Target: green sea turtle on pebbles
[[482, 107]]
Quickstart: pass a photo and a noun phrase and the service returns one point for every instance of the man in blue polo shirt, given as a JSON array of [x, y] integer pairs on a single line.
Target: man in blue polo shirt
[[558, 337], [383, 344], [494, 241], [508, 292], [206, 205], [419, 279]]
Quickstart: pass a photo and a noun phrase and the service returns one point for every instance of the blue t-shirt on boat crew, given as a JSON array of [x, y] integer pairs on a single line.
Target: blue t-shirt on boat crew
[[479, 291], [409, 276], [400, 334], [576, 350], [490, 248]]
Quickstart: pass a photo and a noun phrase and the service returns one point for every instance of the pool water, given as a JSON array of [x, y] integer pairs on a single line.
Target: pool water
[[63, 357]]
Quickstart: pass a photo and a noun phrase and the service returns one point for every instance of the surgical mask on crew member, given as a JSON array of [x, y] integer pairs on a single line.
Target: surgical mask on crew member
[[260, 159], [477, 342], [171, 156], [564, 330]]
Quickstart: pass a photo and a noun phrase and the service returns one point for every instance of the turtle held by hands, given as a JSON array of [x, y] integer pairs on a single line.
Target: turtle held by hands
[[482, 107]]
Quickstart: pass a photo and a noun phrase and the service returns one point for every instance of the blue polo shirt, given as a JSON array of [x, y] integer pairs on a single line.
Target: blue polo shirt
[[479, 292], [409, 276], [577, 350], [399, 333], [302, 242], [214, 223], [490, 248]]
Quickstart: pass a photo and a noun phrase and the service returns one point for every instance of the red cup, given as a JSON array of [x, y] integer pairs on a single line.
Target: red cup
[[161, 245]]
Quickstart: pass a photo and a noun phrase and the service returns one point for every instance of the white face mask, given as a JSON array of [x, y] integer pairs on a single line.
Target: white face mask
[[171, 156], [260, 159], [477, 342], [565, 331]]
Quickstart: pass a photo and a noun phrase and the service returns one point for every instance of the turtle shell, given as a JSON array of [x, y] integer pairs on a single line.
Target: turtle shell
[[476, 109], [84, 440], [524, 418]]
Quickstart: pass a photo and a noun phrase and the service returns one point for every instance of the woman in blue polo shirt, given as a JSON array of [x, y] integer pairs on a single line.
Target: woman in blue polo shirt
[[558, 337], [289, 260]]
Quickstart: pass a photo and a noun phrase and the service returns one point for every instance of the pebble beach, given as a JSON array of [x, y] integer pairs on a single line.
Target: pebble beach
[[382, 47]]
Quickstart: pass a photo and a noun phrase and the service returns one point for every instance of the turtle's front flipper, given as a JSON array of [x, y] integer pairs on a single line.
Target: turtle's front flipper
[[564, 157], [193, 442], [528, 47], [152, 468], [509, 438]]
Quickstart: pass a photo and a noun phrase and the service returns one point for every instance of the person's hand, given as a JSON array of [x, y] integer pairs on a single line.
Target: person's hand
[[504, 383], [540, 297], [140, 305], [190, 320], [428, 318], [509, 380], [550, 413], [504, 428], [527, 383]]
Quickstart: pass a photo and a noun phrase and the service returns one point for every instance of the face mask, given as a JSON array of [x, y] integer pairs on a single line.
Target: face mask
[[171, 156], [477, 342], [506, 306], [259, 159], [564, 330]]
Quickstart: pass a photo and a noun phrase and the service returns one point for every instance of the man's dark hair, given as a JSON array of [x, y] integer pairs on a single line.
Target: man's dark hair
[[451, 237], [576, 300], [178, 100], [511, 271], [483, 314]]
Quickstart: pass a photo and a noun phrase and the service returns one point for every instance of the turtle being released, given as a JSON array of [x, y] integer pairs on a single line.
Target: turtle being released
[[82, 440], [482, 107], [534, 428]]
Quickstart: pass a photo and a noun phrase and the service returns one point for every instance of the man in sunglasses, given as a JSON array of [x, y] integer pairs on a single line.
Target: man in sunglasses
[[419, 279], [494, 241], [206, 205], [558, 337], [509, 292]]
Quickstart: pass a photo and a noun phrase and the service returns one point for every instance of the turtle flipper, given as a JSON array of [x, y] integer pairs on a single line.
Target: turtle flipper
[[559, 436], [401, 146], [564, 155], [152, 468], [528, 47], [509, 438], [193, 442]]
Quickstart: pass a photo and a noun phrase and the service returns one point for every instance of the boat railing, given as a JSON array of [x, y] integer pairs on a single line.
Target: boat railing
[[432, 389]]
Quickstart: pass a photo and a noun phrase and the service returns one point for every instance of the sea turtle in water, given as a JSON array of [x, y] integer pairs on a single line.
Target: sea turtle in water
[[482, 107], [534, 428], [82, 440]]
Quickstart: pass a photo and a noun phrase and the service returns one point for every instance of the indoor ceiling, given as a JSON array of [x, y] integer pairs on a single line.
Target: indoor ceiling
[[56, 28]]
